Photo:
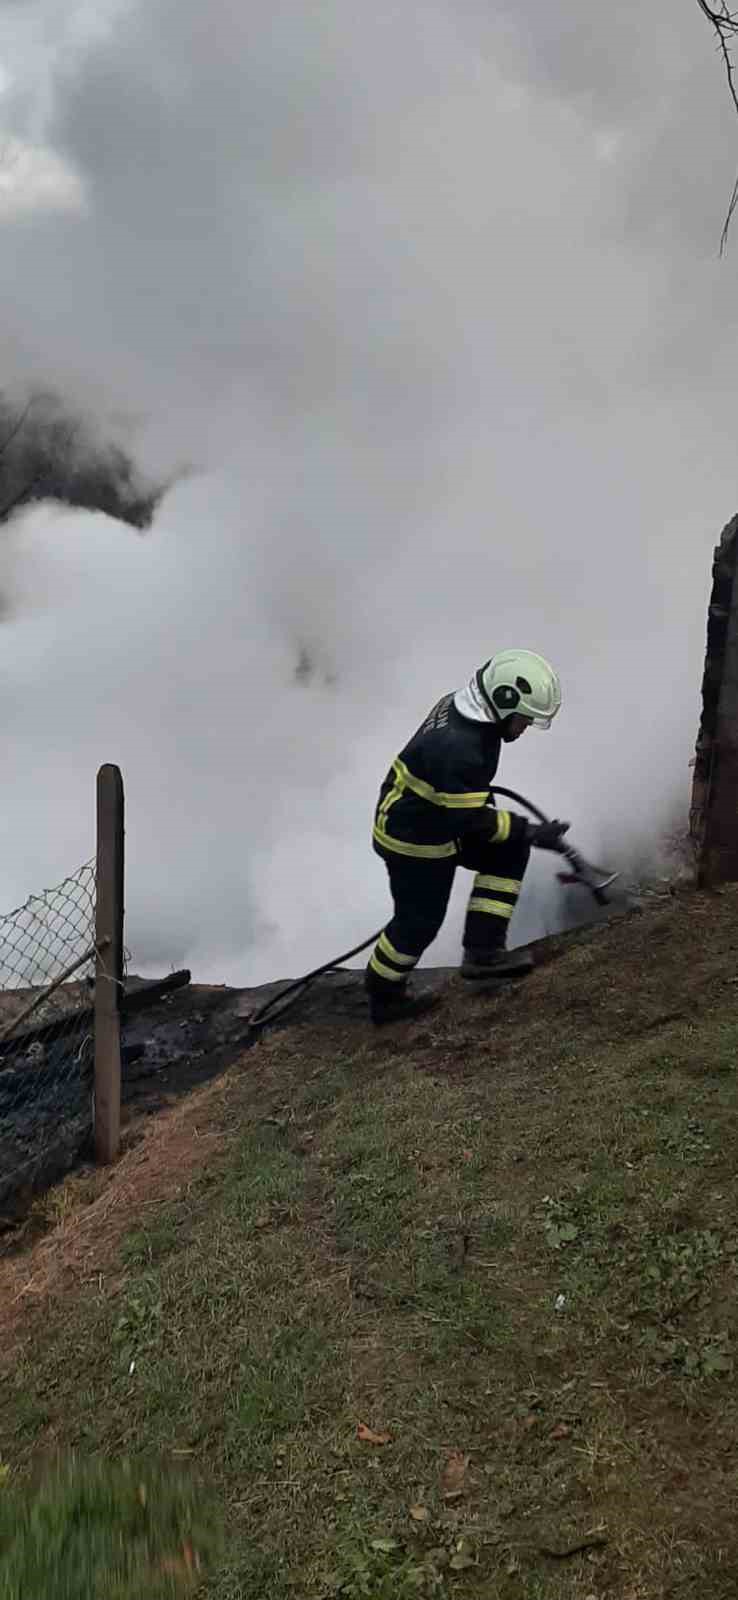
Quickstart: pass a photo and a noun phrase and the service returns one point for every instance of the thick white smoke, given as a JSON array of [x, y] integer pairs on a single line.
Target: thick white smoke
[[426, 302]]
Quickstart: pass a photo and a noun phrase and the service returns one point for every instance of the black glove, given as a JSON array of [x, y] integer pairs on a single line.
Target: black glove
[[547, 835]]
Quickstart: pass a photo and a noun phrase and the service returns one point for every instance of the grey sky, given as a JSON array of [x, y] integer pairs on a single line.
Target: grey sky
[[429, 298]]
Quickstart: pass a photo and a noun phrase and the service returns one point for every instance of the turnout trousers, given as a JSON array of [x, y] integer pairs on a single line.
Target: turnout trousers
[[420, 891]]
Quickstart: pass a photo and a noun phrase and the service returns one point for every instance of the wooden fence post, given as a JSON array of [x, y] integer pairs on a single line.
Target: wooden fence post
[[109, 964]]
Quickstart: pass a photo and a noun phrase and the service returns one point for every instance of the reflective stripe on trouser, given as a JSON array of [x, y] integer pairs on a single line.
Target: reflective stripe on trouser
[[495, 896], [390, 964], [499, 874], [420, 890], [491, 905]]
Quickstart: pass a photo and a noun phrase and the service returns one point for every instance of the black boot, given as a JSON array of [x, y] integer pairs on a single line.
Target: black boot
[[398, 1006], [479, 965]]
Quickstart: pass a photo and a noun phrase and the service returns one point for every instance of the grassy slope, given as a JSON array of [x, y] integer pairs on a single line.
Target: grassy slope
[[380, 1237]]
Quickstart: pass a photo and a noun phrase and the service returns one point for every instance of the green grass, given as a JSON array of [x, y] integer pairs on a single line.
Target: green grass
[[91, 1530], [384, 1241]]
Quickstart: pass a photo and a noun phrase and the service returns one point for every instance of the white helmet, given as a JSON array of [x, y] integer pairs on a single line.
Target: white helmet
[[519, 682]]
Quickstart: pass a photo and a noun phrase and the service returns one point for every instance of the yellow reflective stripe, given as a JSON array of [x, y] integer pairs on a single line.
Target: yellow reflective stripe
[[464, 802], [507, 885], [388, 949], [402, 848], [389, 800], [496, 908], [504, 824], [386, 972]]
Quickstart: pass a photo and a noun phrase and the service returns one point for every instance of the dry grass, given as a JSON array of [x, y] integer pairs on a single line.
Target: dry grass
[[367, 1230], [89, 1214]]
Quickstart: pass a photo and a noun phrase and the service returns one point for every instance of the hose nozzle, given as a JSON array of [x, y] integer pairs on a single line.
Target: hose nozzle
[[596, 879]]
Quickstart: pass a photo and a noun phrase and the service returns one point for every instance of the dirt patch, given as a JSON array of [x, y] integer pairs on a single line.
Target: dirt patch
[[98, 1207]]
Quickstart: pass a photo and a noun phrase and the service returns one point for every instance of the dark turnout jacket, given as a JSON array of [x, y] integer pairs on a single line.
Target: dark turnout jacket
[[437, 790]]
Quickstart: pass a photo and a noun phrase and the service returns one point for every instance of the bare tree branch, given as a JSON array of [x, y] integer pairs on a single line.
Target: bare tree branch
[[35, 478], [729, 218], [725, 24], [9, 508], [17, 499], [16, 428], [46, 454], [718, 14]]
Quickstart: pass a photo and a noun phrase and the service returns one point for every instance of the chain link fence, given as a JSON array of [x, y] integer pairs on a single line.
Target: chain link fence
[[47, 966]]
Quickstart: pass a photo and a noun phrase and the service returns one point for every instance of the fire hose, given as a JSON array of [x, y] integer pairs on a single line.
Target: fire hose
[[581, 872]]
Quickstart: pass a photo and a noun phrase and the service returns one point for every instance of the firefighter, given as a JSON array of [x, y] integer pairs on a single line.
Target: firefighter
[[435, 813]]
